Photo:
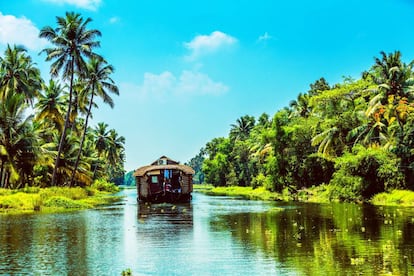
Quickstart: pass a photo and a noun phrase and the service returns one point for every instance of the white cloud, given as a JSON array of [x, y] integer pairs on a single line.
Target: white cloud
[[114, 19], [85, 4], [161, 86], [20, 31], [205, 44], [264, 37], [157, 86], [195, 83]]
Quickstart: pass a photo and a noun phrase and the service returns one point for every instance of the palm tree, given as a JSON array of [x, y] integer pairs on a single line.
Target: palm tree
[[50, 105], [242, 128], [329, 141], [18, 74], [101, 141], [115, 154], [98, 83], [392, 75], [17, 140], [73, 42], [101, 134], [301, 106]]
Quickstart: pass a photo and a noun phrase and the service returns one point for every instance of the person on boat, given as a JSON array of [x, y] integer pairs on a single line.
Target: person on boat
[[168, 185]]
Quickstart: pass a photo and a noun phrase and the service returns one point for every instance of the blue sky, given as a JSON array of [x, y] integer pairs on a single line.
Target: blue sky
[[188, 69]]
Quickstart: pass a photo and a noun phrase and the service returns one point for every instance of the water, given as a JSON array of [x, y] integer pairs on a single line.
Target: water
[[211, 236]]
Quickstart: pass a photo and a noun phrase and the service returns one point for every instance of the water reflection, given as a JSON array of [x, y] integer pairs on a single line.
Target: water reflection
[[211, 236], [333, 238]]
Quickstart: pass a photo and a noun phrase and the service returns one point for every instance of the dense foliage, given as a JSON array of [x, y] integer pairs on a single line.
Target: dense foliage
[[45, 139], [357, 136]]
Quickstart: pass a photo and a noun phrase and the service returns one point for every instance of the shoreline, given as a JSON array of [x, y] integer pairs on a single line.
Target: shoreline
[[33, 200], [402, 198]]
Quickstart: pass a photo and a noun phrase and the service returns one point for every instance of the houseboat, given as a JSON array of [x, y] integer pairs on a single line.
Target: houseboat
[[165, 180]]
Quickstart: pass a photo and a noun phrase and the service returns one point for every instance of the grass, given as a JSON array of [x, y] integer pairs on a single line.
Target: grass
[[55, 199], [394, 198], [246, 192], [316, 194]]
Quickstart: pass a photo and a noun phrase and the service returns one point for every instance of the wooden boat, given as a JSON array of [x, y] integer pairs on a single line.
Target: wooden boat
[[165, 180]]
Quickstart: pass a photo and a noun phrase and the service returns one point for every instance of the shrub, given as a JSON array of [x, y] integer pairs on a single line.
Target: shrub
[[104, 186], [64, 202], [71, 193], [365, 172], [20, 201], [259, 181], [396, 197]]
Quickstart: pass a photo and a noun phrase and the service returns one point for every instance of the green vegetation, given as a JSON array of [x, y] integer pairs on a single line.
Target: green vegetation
[[126, 272], [129, 179], [246, 192], [344, 142], [55, 146], [55, 199], [396, 197]]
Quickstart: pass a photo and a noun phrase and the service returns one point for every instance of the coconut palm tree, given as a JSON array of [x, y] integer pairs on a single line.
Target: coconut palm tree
[[242, 128], [98, 83], [73, 43], [18, 74], [17, 141], [115, 154], [101, 134], [101, 141], [301, 106], [50, 105], [393, 76]]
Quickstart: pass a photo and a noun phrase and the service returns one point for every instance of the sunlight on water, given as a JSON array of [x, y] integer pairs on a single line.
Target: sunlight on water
[[211, 236]]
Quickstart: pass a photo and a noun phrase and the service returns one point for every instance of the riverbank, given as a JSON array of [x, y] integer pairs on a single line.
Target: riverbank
[[319, 194], [56, 199]]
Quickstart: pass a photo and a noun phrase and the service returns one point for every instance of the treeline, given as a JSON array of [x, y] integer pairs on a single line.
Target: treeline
[[45, 137], [351, 140]]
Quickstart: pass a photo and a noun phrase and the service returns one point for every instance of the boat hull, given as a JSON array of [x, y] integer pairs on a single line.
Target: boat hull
[[167, 197]]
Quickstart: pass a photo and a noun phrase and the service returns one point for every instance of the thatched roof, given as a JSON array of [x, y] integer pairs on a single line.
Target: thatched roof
[[143, 170], [171, 165]]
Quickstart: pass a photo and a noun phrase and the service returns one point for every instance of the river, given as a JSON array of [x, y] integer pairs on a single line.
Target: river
[[211, 236]]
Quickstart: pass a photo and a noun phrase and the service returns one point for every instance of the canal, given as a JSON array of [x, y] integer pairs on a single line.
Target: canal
[[211, 236]]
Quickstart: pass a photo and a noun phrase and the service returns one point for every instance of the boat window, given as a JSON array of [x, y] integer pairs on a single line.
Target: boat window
[[154, 179]]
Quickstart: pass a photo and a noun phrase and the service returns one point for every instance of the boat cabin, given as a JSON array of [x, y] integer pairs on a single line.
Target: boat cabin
[[165, 180]]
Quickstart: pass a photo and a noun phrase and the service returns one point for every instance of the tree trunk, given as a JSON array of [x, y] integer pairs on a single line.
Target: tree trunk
[[2, 174], [63, 136], [85, 127], [6, 180]]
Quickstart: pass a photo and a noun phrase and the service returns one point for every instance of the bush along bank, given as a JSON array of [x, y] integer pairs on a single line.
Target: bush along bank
[[57, 199]]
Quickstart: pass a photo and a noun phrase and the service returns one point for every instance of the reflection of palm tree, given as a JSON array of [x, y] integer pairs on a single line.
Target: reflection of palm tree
[[73, 42], [99, 83], [18, 74]]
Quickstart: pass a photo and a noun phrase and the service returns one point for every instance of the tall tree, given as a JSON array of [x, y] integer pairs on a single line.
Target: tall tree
[[73, 42], [18, 74], [98, 83], [242, 128], [50, 106], [301, 106], [16, 140]]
